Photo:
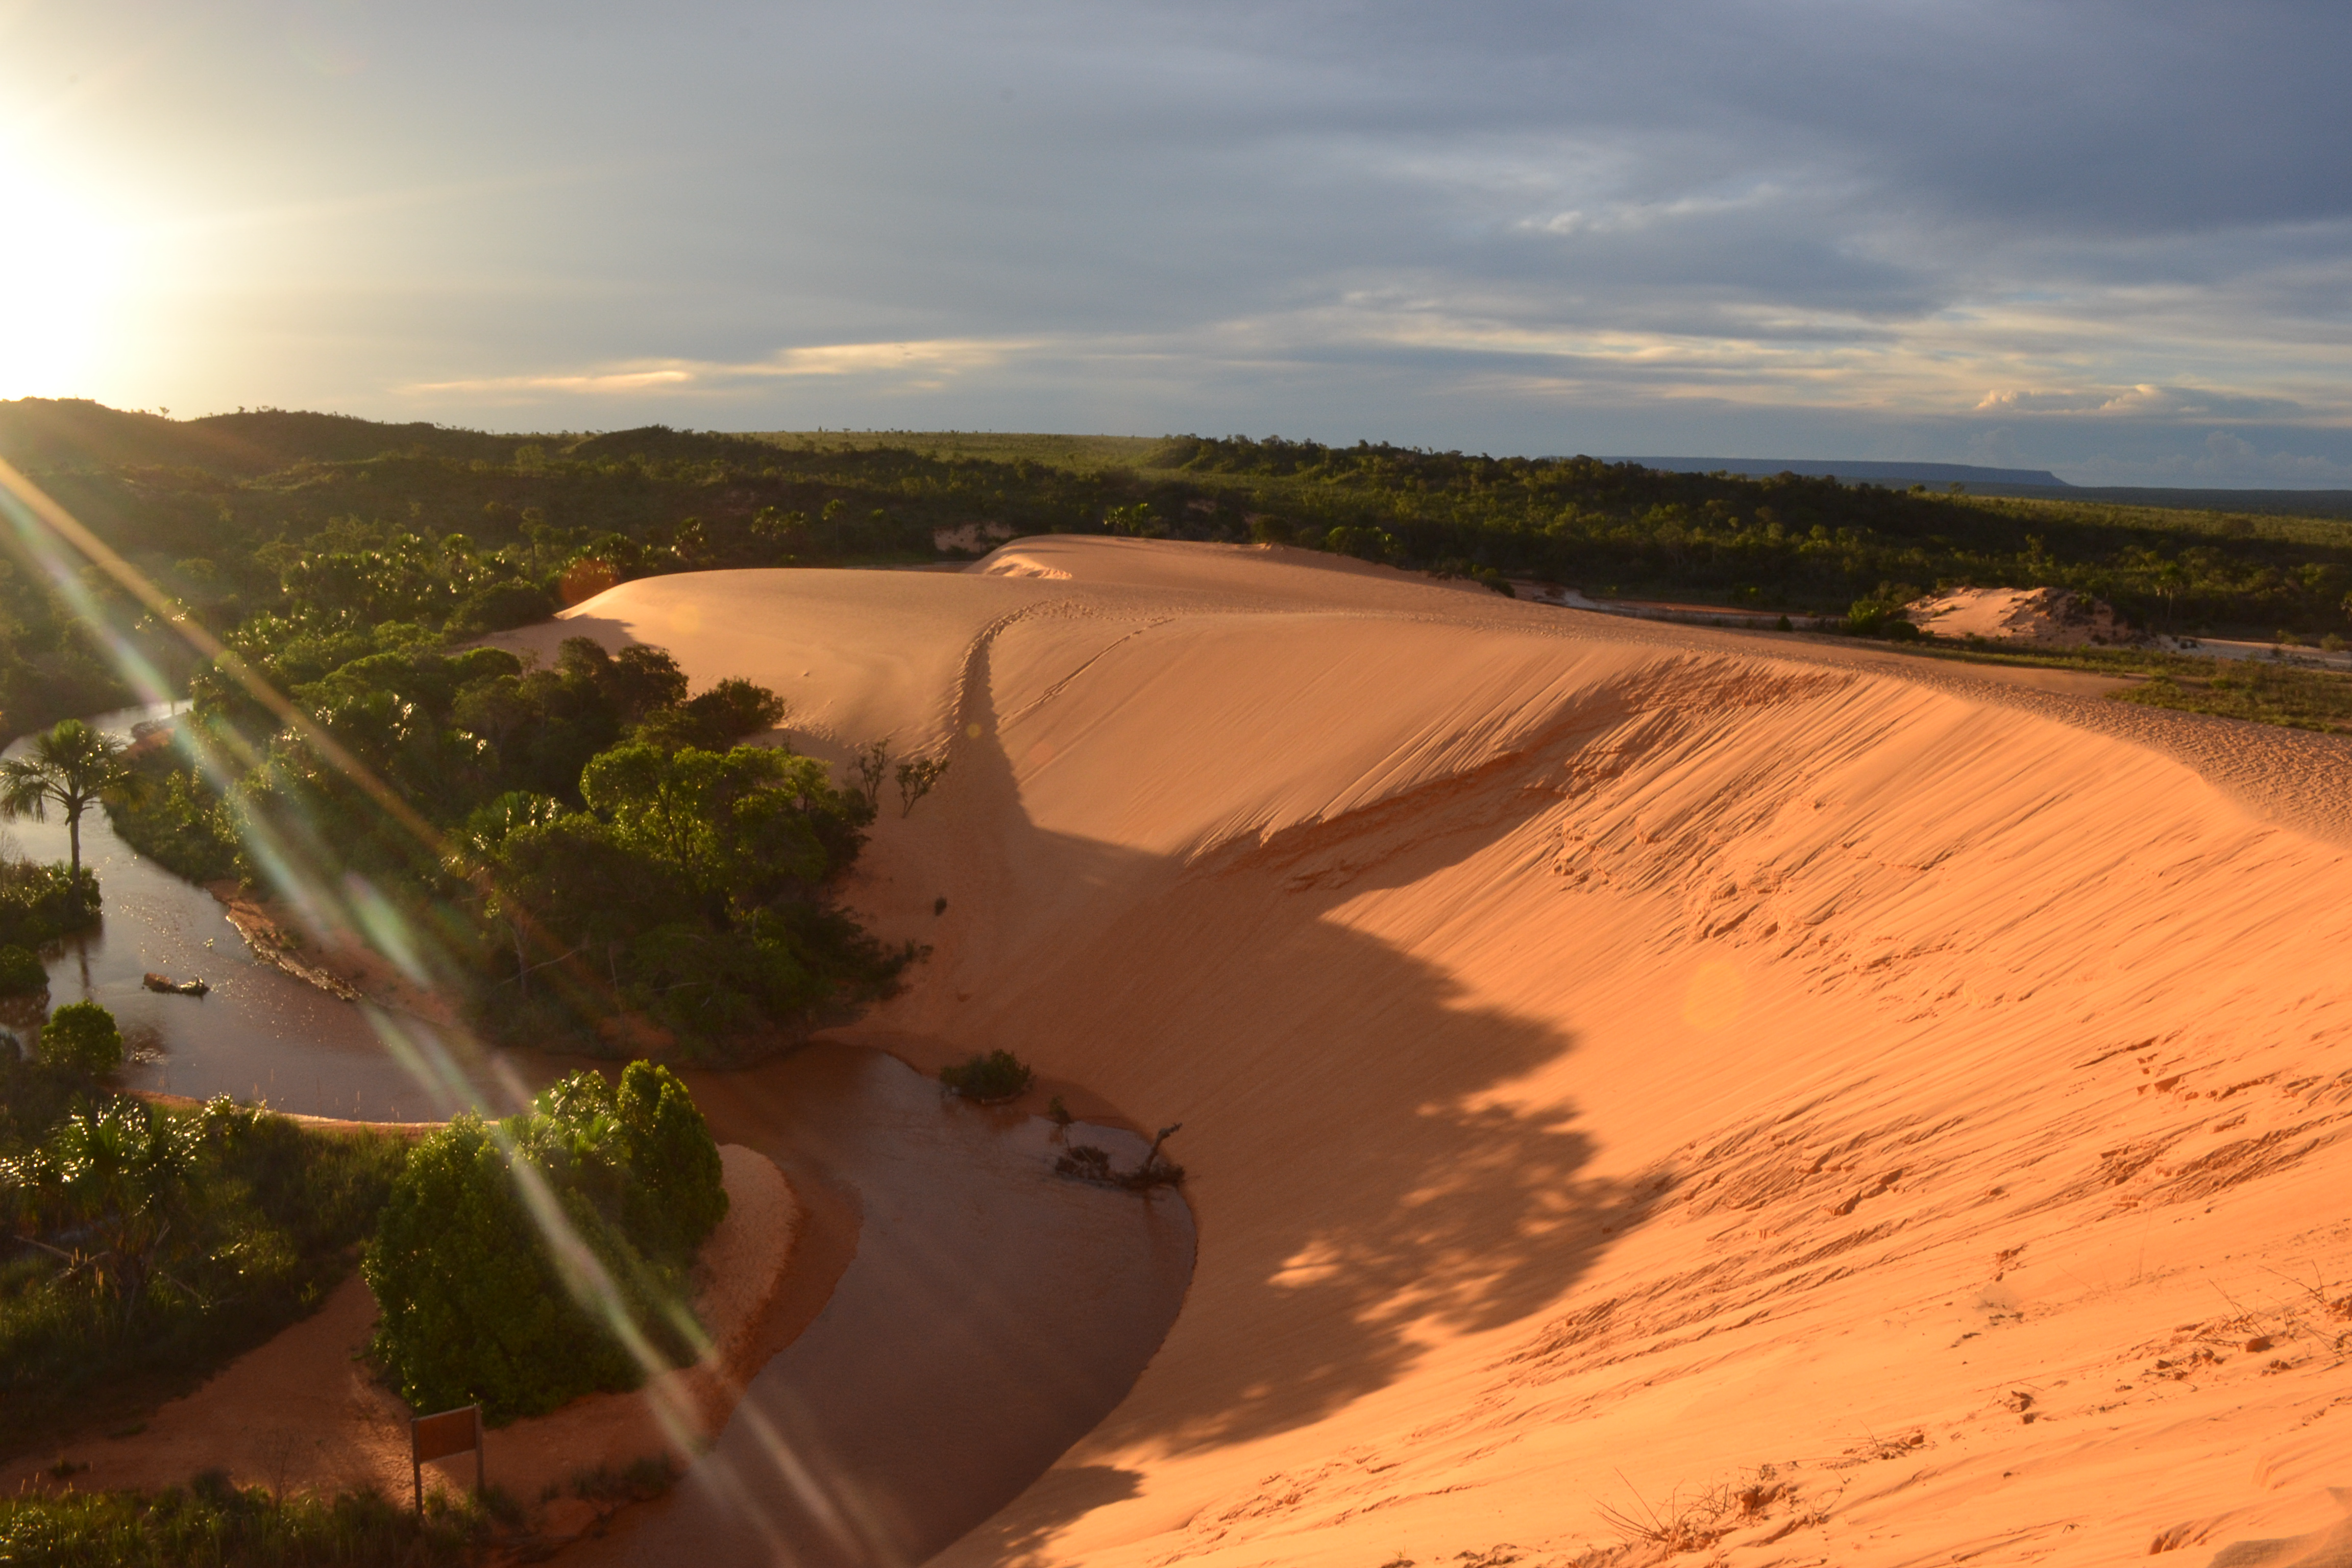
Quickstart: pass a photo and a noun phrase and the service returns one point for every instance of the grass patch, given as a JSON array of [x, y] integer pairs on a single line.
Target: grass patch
[[2265, 693], [2261, 691], [212, 1524]]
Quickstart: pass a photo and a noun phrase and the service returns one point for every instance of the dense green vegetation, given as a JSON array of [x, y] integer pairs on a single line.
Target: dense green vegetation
[[39, 903], [598, 843], [212, 1524], [174, 817], [294, 514], [141, 1248], [478, 1305], [311, 540], [21, 970], [80, 1037], [1784, 541]]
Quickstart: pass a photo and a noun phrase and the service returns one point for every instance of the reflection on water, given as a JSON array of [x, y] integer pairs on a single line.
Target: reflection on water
[[261, 1034]]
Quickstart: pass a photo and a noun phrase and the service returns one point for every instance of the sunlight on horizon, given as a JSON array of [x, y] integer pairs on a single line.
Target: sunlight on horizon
[[63, 267]]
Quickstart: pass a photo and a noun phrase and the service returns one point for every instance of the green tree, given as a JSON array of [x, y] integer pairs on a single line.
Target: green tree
[[513, 1265], [474, 1308], [123, 1170], [82, 1036], [69, 767], [736, 823]]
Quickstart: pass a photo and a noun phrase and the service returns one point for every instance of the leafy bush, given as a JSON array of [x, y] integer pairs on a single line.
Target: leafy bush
[[999, 1075], [695, 878], [212, 1524], [514, 1263], [40, 903], [170, 1241], [21, 970], [498, 605], [714, 720], [176, 820], [82, 1037]]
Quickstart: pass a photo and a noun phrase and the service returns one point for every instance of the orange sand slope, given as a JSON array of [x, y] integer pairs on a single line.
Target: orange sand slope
[[1638, 1080]]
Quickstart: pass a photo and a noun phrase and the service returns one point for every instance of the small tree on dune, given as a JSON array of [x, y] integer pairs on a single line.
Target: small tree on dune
[[916, 777]]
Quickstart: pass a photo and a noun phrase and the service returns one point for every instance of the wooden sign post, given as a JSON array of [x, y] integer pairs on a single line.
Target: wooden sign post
[[437, 1437]]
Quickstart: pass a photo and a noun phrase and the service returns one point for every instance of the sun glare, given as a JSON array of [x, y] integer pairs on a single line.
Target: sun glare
[[60, 268]]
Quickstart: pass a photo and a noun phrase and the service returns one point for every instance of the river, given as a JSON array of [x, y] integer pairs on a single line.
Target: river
[[963, 1315], [261, 1035]]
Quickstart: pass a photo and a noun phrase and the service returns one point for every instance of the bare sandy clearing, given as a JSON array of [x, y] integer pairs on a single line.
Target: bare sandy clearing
[[2029, 617], [1616, 1058]]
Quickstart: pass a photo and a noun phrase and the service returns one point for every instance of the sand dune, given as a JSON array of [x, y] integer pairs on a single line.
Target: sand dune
[[1850, 1109]]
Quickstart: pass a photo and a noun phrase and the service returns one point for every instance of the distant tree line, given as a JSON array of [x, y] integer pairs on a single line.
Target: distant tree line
[[1786, 541], [287, 532]]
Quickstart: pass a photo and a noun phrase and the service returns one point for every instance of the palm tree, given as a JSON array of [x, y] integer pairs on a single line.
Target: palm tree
[[68, 767]]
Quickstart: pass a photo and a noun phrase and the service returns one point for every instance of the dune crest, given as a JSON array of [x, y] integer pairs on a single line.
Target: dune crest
[[1014, 563], [1644, 1086]]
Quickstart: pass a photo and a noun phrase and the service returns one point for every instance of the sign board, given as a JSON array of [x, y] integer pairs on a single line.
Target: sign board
[[439, 1437]]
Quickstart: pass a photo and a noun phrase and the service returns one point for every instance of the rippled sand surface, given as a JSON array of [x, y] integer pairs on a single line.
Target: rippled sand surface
[[1837, 1105]]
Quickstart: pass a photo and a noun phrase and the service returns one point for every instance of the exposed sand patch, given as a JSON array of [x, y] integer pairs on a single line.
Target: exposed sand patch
[[1014, 563], [340, 962], [2029, 617], [1615, 1058], [302, 1412]]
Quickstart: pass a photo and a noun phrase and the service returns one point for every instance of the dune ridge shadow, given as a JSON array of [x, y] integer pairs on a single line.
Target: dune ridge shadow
[[1357, 1181]]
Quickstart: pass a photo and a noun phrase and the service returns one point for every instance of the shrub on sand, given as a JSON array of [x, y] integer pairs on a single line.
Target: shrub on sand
[[996, 1076]]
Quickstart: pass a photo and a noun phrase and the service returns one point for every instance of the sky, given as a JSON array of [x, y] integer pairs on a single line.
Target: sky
[[2113, 240]]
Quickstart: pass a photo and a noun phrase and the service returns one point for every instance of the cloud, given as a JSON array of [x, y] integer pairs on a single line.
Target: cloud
[[2107, 228], [2171, 403], [928, 362]]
